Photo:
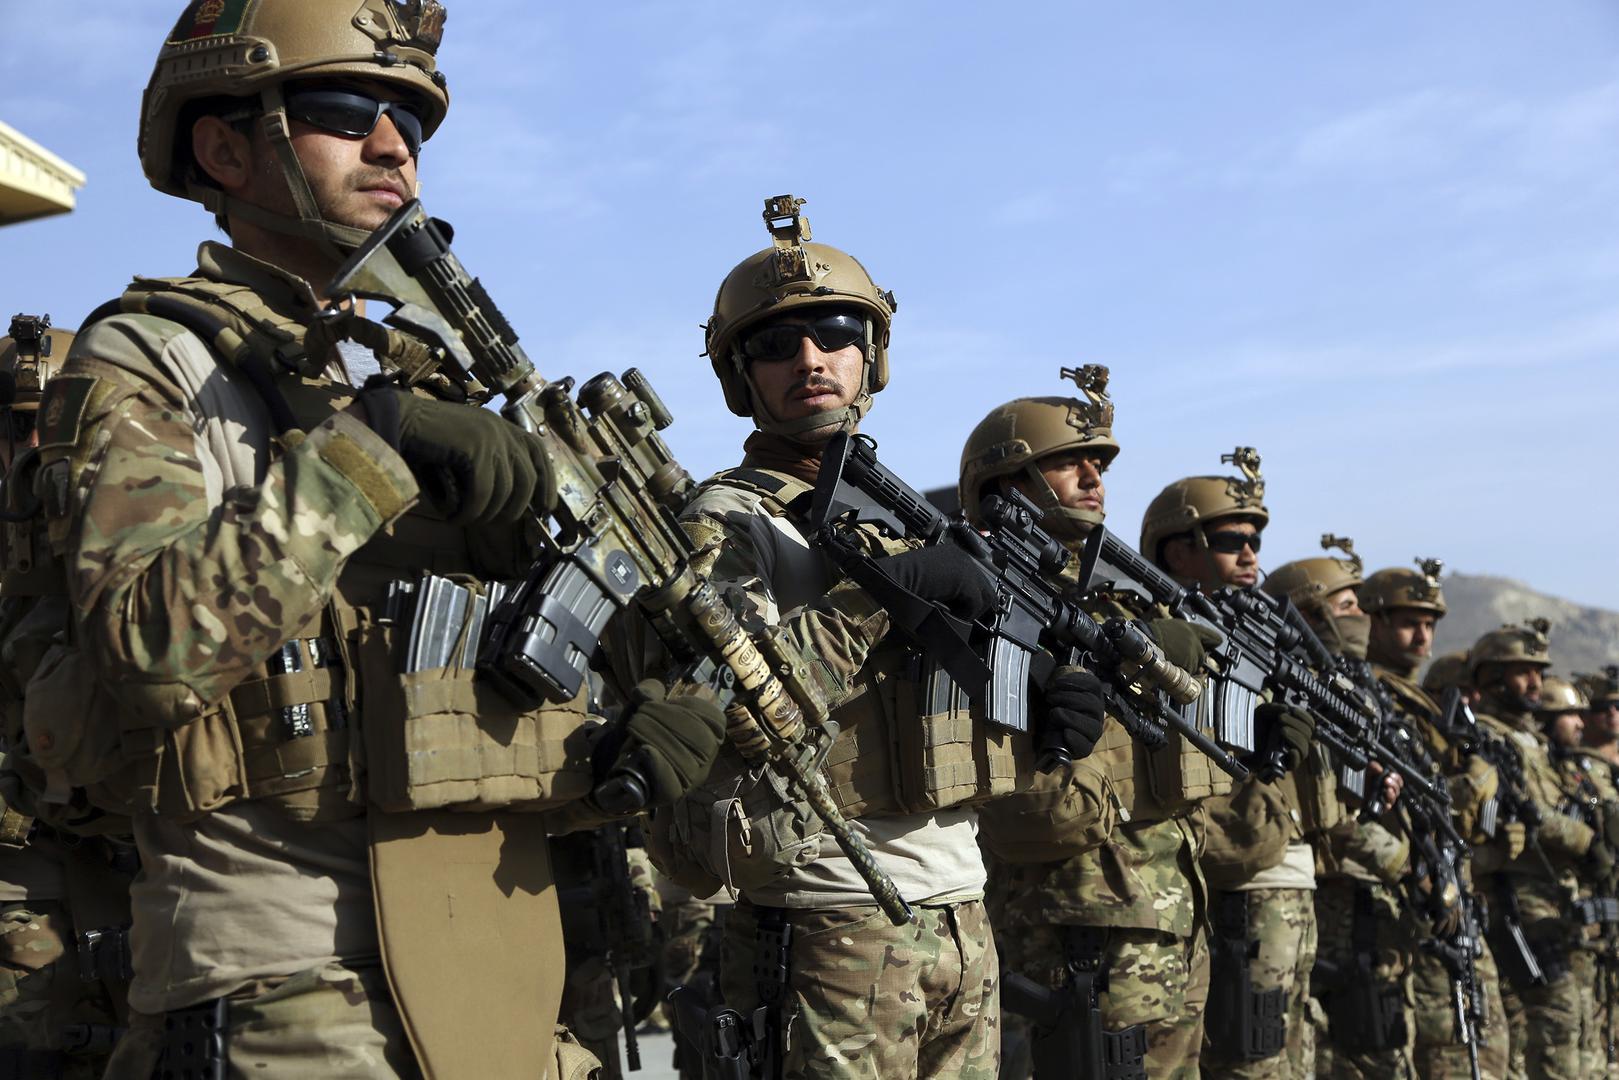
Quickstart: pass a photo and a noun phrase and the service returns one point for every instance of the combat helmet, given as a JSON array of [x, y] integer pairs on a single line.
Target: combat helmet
[[30, 354], [1446, 672], [1308, 583], [1013, 438], [793, 274], [1558, 695], [250, 49], [1397, 587], [1188, 505], [1600, 688], [1512, 644]]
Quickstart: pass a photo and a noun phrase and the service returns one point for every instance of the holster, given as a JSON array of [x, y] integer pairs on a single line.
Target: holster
[[771, 1027], [1243, 1024], [1524, 963], [1364, 1014], [1069, 1039], [715, 1036], [194, 1045]]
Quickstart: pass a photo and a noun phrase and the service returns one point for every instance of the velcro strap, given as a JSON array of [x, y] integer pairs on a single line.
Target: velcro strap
[[14, 828], [262, 697]]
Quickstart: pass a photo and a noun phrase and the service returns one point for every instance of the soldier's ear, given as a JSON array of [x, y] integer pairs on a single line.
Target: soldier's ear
[[223, 153]]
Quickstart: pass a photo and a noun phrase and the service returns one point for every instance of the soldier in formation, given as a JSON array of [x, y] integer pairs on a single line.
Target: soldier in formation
[[224, 544]]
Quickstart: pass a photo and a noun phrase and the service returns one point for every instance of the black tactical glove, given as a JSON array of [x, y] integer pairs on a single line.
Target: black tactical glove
[[472, 465], [1185, 644], [1291, 730], [1074, 712], [662, 750], [944, 574]]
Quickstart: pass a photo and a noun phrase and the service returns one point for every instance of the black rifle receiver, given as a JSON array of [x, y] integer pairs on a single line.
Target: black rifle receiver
[[1034, 625]]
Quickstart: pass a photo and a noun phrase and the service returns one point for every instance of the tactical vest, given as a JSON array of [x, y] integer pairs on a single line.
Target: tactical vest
[[1152, 785], [330, 720], [908, 740]]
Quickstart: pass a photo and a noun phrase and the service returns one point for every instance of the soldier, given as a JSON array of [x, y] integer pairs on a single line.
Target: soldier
[[1404, 606], [1206, 531], [1447, 671], [1602, 718], [1126, 917], [235, 515], [64, 880], [1590, 796], [1530, 895], [1366, 933], [799, 339]]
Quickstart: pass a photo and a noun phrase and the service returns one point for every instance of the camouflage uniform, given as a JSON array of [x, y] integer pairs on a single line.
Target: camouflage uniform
[[1591, 791], [1545, 1021], [864, 998], [1436, 1052], [1141, 885]]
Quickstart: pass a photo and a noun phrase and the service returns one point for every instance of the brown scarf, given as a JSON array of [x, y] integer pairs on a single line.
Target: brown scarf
[[764, 450]]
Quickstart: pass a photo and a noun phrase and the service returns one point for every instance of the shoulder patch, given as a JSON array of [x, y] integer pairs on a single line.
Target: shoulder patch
[[61, 410]]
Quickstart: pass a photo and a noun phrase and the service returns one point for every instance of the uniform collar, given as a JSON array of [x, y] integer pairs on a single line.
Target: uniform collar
[[281, 290]]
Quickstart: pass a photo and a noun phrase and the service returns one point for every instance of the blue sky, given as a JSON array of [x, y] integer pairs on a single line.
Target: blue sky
[[1378, 241]]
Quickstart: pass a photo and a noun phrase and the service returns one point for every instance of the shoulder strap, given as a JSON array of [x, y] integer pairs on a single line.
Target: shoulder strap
[[777, 491]]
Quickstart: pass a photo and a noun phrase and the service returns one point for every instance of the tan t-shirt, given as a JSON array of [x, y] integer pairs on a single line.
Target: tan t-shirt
[[30, 874], [1295, 871], [244, 894]]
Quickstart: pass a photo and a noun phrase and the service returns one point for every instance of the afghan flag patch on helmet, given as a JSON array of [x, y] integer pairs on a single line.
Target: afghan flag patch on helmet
[[209, 18]]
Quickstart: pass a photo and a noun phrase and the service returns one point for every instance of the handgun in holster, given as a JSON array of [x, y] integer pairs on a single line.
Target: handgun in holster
[[1364, 1013], [1521, 962], [712, 1033], [1243, 1023], [1069, 1039]]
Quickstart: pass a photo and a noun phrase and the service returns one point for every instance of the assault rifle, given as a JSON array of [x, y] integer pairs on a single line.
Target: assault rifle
[[1266, 647], [625, 920], [1034, 624], [617, 544]]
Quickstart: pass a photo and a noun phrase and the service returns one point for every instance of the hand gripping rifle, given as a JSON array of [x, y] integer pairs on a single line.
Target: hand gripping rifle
[[1034, 622], [1266, 647], [617, 542]]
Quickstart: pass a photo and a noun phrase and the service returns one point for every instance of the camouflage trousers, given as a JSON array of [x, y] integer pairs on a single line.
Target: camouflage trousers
[[867, 999], [41, 994], [1545, 1023], [1346, 1047], [1281, 952], [1439, 1053], [1593, 1014], [1150, 977], [325, 1022]]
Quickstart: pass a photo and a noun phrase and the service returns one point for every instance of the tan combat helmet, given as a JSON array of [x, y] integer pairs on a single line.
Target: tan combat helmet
[[1013, 438], [1308, 583], [250, 49], [1558, 696], [1600, 688], [1188, 505], [1396, 587], [1511, 644], [30, 354], [789, 275], [1447, 671]]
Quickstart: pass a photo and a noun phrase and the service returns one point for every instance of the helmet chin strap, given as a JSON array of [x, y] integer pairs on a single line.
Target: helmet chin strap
[[335, 241], [833, 422], [1063, 522]]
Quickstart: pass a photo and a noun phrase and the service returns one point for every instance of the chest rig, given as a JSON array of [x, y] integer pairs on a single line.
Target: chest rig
[[909, 741], [337, 716]]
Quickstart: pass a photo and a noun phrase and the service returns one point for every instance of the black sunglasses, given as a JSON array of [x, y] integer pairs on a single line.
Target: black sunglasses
[[1229, 541], [780, 340], [350, 112]]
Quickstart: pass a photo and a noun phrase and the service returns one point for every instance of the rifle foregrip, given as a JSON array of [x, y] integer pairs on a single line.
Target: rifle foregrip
[[1153, 666]]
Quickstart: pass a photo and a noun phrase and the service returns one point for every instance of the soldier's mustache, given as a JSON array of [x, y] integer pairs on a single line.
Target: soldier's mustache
[[820, 384]]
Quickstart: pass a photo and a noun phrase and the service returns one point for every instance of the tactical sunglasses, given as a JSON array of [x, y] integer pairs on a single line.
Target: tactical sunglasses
[[780, 340], [1229, 541], [350, 112]]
